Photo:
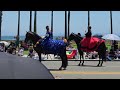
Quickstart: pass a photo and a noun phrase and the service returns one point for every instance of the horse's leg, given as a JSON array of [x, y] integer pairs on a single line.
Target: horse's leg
[[103, 53], [102, 62], [99, 58], [80, 61], [83, 58], [39, 54], [64, 63], [47, 56], [64, 60], [83, 62], [103, 58]]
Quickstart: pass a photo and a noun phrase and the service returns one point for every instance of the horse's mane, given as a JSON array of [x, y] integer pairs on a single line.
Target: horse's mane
[[35, 34], [76, 35]]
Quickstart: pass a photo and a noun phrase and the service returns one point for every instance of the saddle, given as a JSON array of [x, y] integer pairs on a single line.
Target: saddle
[[90, 44]]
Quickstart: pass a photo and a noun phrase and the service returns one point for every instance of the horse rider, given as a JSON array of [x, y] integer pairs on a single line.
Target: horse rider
[[49, 33], [89, 33], [79, 34]]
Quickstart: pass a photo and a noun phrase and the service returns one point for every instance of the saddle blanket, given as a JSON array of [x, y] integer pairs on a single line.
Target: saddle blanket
[[90, 44], [51, 46]]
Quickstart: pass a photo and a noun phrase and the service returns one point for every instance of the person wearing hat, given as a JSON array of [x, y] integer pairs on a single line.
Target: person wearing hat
[[89, 33], [79, 34], [48, 32]]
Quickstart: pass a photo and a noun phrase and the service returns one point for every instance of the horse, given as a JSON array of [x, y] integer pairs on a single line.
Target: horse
[[77, 41], [100, 47], [48, 46]]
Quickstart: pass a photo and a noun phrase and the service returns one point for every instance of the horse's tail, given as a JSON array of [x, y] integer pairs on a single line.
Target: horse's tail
[[103, 49]]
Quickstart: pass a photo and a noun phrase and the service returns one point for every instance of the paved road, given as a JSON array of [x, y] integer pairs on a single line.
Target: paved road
[[14, 67], [109, 70]]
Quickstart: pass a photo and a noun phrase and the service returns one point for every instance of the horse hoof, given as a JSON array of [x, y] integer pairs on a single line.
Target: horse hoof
[[64, 68], [61, 68], [79, 64], [98, 65], [82, 64]]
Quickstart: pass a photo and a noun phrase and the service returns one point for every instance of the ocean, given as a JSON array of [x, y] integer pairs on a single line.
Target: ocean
[[21, 37]]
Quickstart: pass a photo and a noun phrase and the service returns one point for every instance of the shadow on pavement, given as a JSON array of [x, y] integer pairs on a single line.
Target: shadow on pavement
[[86, 65], [54, 70]]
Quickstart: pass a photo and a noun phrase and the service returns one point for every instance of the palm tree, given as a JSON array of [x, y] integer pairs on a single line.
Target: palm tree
[[88, 18], [18, 32], [111, 22], [52, 23], [66, 24], [0, 22], [30, 28], [35, 21]]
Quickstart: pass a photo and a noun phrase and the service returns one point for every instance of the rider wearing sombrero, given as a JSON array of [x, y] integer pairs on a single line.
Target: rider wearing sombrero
[[89, 33]]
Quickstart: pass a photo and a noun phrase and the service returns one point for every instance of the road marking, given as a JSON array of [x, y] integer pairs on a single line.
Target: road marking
[[78, 72], [112, 66]]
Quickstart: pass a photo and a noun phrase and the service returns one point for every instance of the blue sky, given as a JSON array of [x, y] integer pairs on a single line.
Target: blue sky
[[99, 20]]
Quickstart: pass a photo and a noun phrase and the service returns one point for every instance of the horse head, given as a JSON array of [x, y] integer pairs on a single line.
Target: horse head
[[75, 37], [31, 36], [71, 36], [28, 36]]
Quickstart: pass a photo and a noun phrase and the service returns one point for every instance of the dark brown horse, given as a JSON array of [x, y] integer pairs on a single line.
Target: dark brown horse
[[101, 49], [46, 46]]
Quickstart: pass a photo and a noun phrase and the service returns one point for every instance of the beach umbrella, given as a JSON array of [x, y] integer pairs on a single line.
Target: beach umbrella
[[111, 37], [6, 43]]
